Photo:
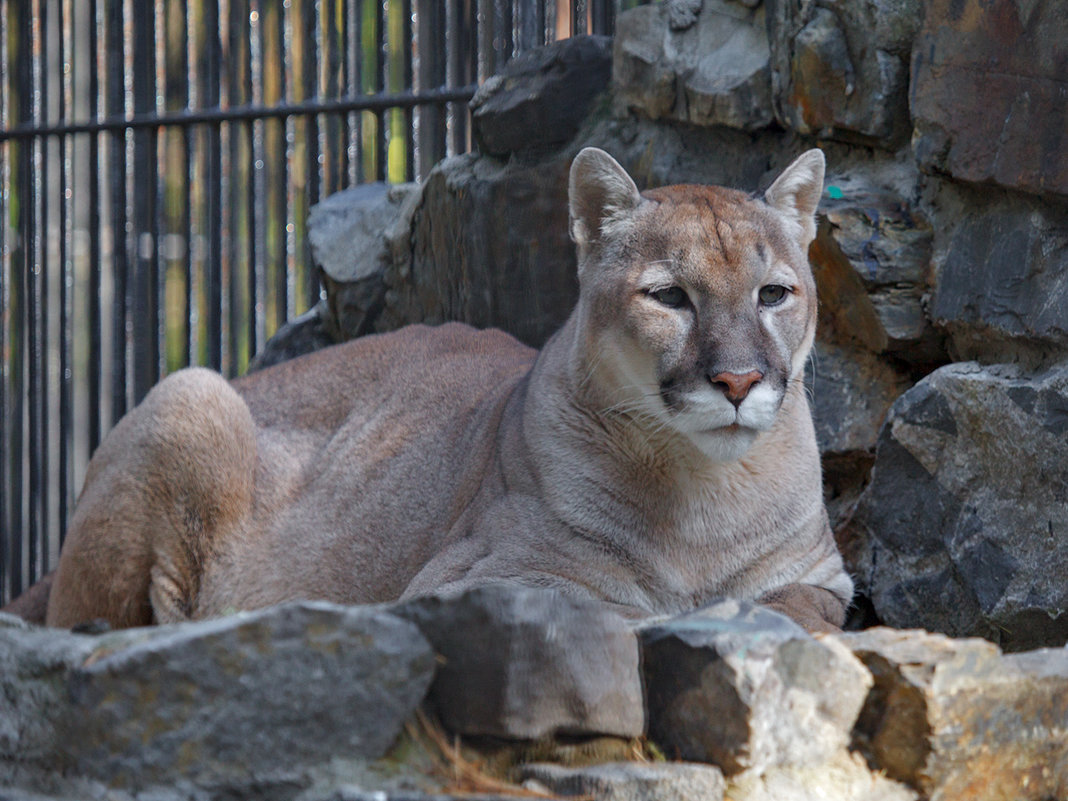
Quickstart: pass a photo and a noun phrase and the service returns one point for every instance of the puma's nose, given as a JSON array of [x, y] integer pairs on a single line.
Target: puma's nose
[[736, 386]]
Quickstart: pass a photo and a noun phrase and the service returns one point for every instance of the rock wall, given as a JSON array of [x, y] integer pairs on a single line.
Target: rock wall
[[943, 243], [315, 702]]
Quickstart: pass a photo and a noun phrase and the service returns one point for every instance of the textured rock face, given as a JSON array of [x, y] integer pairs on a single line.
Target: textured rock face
[[542, 96], [521, 663], [968, 506], [840, 68], [700, 62], [886, 244], [778, 696], [851, 393], [488, 245], [252, 698], [940, 711], [989, 99], [1002, 274], [629, 781], [349, 234]]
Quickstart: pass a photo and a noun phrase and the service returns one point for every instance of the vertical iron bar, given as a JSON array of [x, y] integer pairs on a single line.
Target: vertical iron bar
[[306, 165], [37, 306], [272, 65], [207, 200], [462, 67], [381, 50], [116, 105], [209, 94], [362, 82], [487, 54], [578, 17], [602, 17], [66, 362], [242, 188], [96, 339], [432, 46], [174, 246], [19, 92], [332, 55], [144, 289], [405, 48], [5, 194]]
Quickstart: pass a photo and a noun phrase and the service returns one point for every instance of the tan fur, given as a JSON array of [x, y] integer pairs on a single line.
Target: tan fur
[[611, 465]]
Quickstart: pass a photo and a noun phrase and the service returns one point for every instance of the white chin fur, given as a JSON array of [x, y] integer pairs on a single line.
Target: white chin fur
[[725, 444]]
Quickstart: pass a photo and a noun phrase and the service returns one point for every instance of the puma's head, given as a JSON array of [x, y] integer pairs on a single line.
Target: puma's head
[[698, 303]]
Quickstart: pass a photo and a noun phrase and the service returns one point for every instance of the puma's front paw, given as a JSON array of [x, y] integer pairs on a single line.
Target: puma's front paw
[[814, 608]]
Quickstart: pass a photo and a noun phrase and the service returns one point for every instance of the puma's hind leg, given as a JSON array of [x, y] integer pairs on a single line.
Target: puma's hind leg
[[171, 480]]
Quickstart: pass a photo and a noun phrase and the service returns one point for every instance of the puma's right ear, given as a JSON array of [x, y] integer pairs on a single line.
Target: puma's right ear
[[796, 193], [599, 190]]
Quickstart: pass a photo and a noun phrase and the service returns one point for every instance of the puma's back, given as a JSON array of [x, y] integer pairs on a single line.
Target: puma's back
[[657, 453]]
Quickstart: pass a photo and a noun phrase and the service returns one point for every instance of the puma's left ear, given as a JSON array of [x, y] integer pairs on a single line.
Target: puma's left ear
[[796, 192], [599, 190]]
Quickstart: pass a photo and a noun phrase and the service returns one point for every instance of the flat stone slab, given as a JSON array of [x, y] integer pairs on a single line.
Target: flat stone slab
[[524, 663], [630, 781]]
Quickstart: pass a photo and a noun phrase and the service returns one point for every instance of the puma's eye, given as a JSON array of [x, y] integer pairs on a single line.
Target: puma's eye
[[772, 294], [673, 297]]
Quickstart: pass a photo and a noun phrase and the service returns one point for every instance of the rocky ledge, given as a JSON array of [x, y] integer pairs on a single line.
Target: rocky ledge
[[508, 691]]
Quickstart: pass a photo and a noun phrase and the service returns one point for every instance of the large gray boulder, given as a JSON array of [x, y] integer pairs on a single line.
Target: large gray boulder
[[349, 235], [541, 97], [525, 663], [252, 700], [966, 511], [487, 245]]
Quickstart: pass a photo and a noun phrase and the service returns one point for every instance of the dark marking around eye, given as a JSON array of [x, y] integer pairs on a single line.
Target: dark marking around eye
[[673, 297], [762, 254]]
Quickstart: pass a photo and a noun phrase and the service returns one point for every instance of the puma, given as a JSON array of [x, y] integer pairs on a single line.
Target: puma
[[656, 454]]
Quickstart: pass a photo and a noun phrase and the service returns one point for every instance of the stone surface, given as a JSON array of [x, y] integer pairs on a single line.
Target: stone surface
[[34, 668], [251, 699], [702, 63], [967, 510], [1001, 287], [840, 68], [887, 243], [304, 334], [959, 721], [630, 781], [845, 777], [777, 697], [349, 234], [524, 663], [541, 97], [989, 97], [851, 392], [488, 245]]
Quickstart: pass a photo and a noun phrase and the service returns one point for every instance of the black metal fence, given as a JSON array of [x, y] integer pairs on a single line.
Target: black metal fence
[[157, 162]]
